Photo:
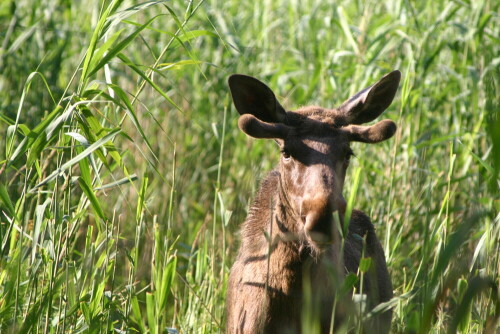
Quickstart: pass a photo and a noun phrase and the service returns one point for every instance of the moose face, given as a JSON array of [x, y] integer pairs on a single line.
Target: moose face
[[314, 145], [314, 157]]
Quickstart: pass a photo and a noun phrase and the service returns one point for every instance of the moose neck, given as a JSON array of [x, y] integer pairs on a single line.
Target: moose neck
[[273, 237]]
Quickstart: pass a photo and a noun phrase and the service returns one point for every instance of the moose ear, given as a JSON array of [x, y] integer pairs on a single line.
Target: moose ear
[[256, 128], [371, 134], [250, 96], [368, 104]]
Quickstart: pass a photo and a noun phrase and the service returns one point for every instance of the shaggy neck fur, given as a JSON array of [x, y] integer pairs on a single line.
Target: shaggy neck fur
[[277, 258]]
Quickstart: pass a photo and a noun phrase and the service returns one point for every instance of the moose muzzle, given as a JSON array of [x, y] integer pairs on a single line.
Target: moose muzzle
[[317, 214]]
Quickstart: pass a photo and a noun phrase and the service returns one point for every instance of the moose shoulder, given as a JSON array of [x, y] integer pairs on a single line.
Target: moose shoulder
[[290, 243]]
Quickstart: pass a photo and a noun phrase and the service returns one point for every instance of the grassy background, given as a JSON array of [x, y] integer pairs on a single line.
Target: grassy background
[[124, 178]]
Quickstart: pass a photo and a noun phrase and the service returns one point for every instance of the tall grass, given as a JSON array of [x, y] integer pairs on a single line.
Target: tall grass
[[124, 177]]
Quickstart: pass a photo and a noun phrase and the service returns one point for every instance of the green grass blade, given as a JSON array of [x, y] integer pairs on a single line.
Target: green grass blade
[[134, 67], [98, 32], [111, 53], [92, 198], [77, 158]]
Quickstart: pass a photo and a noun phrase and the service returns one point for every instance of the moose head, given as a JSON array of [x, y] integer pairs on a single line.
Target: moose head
[[314, 145]]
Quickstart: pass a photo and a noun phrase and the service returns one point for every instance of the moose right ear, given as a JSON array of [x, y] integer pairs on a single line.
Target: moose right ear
[[250, 96]]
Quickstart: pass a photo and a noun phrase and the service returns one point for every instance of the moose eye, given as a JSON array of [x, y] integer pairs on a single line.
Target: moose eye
[[285, 154]]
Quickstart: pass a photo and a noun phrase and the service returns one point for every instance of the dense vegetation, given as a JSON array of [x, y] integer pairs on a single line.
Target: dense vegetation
[[124, 177]]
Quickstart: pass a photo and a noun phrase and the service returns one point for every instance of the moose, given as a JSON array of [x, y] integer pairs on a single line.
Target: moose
[[291, 238]]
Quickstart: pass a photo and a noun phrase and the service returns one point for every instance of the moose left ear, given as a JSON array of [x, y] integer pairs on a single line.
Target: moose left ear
[[371, 134], [368, 104]]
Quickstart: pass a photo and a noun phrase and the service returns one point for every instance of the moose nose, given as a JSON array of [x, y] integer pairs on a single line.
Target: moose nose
[[317, 212]]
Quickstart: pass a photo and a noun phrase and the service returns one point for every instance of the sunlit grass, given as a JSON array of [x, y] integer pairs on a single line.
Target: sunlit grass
[[124, 178]]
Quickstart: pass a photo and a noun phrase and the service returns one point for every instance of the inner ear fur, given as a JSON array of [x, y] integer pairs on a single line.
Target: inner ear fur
[[251, 96], [369, 103], [371, 134]]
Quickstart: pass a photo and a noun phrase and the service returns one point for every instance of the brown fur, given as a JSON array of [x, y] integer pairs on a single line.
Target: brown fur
[[290, 243]]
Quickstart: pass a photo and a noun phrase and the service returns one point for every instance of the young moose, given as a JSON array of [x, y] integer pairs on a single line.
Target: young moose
[[289, 240]]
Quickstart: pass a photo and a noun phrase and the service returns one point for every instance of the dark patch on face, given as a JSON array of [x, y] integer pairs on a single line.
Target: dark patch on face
[[313, 149]]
